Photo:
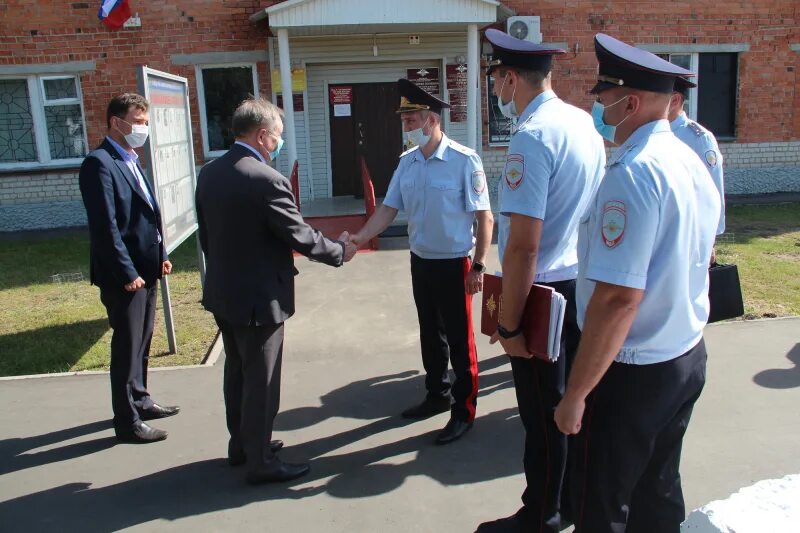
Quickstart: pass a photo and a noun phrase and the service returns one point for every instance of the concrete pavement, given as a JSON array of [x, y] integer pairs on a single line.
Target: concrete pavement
[[351, 364]]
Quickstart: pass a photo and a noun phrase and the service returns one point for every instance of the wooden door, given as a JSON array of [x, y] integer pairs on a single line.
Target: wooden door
[[372, 129]]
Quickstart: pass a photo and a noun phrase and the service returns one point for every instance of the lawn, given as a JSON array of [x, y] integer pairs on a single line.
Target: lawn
[[59, 327], [764, 241]]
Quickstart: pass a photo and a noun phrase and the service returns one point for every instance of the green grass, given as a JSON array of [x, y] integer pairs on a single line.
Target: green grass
[[764, 241], [50, 327]]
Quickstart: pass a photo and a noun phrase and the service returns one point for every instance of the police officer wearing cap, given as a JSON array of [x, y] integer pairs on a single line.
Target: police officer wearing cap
[[699, 139], [554, 165], [441, 185], [642, 294]]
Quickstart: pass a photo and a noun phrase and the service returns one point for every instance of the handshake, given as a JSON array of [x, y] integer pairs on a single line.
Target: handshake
[[351, 244]]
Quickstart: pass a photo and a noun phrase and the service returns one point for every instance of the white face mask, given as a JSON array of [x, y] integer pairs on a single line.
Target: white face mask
[[138, 135], [418, 137], [508, 109]]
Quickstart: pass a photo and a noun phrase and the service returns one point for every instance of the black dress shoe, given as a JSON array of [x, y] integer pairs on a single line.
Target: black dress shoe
[[511, 524], [276, 471], [428, 408], [454, 430], [236, 457], [140, 433], [158, 411]]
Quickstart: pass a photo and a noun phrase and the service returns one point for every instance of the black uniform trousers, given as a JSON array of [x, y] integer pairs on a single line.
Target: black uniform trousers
[[627, 478], [131, 316], [252, 387], [540, 386], [444, 310]]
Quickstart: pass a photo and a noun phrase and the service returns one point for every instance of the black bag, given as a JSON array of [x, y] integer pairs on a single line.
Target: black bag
[[724, 293]]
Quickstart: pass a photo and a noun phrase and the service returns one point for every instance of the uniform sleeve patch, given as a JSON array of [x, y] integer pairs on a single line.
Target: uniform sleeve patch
[[711, 158], [514, 171], [614, 219], [478, 181]]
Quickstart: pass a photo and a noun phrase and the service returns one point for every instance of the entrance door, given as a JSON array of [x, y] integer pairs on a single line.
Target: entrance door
[[373, 129]]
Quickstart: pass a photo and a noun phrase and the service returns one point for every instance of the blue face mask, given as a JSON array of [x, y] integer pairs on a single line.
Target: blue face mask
[[607, 131], [274, 154]]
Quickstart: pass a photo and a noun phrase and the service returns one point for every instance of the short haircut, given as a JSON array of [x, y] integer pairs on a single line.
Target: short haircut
[[533, 77], [253, 114], [120, 105]]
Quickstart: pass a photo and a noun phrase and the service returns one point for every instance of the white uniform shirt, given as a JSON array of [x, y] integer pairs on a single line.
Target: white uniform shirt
[[555, 163], [704, 145], [652, 227], [440, 196]]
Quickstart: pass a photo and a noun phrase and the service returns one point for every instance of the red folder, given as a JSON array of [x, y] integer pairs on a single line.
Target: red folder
[[535, 317]]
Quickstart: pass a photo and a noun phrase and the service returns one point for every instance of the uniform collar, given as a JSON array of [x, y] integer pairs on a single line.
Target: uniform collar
[[126, 155], [259, 156], [643, 132], [440, 153], [535, 104], [680, 120]]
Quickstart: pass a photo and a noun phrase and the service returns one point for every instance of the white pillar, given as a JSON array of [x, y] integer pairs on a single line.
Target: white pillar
[[473, 97], [289, 136]]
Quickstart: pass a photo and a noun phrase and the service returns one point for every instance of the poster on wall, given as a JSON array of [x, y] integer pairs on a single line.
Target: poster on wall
[[170, 153], [297, 100], [427, 79], [457, 90]]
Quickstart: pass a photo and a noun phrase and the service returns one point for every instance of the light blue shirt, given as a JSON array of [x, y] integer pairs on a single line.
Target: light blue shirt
[[703, 143], [132, 161], [440, 196], [255, 152], [554, 165], [652, 227]]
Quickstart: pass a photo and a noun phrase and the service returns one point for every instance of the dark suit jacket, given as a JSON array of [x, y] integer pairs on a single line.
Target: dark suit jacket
[[248, 226], [122, 225]]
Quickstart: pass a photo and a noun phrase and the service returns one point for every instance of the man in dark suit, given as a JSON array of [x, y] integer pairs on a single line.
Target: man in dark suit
[[127, 257], [249, 225]]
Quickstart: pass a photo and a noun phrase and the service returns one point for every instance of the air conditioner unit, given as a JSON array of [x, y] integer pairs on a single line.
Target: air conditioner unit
[[525, 28]]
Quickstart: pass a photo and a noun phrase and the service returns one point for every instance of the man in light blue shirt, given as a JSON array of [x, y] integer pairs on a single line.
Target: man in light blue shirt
[[554, 166], [441, 185], [642, 293], [700, 140]]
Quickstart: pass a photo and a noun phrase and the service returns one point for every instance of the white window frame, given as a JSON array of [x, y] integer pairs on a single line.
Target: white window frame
[[201, 100], [38, 102], [694, 66]]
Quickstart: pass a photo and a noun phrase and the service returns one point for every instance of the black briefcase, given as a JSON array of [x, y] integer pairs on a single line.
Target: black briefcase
[[724, 293]]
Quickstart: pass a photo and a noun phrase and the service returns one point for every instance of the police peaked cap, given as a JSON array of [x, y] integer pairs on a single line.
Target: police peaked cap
[[412, 98], [682, 85], [508, 51], [623, 65]]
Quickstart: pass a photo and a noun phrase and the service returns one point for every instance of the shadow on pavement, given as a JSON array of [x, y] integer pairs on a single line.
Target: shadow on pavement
[[382, 396], [782, 378], [12, 451]]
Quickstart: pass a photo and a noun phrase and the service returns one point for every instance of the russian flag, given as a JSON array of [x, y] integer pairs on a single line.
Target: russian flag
[[114, 13]]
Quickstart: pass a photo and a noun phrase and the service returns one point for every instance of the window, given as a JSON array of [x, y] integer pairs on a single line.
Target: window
[[221, 89], [41, 121], [499, 125], [713, 102]]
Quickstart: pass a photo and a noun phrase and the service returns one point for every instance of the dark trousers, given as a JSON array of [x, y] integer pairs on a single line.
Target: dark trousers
[[627, 478], [131, 316], [252, 387], [540, 386], [444, 310]]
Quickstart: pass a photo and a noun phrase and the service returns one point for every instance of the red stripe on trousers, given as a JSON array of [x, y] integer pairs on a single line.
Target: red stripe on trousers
[[472, 351]]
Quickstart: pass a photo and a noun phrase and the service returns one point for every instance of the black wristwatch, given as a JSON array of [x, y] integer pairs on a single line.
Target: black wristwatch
[[480, 268], [503, 332]]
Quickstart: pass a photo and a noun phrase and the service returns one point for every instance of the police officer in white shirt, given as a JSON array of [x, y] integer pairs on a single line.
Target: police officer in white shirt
[[698, 139], [554, 165], [642, 293], [441, 185]]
